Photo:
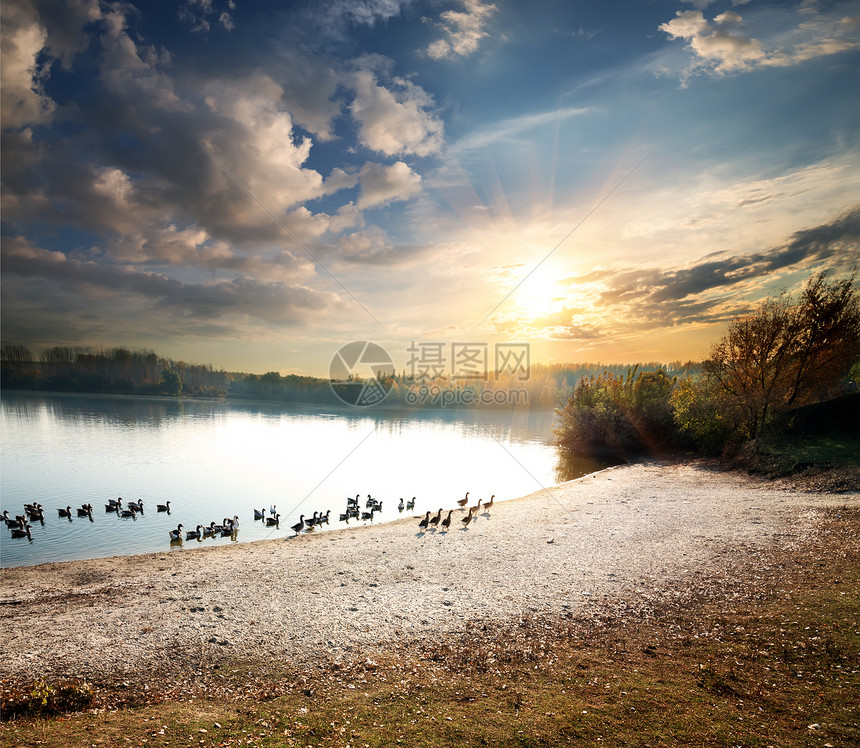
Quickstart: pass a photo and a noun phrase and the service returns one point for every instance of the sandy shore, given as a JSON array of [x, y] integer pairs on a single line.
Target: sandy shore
[[638, 531]]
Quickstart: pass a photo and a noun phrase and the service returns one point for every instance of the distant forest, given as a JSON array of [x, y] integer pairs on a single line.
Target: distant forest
[[125, 371]]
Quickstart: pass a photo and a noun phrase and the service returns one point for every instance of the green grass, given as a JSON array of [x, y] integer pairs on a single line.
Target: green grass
[[754, 657]]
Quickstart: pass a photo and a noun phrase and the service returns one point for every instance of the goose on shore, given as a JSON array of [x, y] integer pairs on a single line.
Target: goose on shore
[[422, 525], [489, 504], [434, 520], [176, 534], [273, 521], [299, 526], [462, 502], [467, 519], [446, 523], [473, 510], [67, 512], [165, 507], [323, 518]]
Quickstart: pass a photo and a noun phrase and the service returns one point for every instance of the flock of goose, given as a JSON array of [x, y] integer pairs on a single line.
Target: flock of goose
[[20, 525], [436, 521]]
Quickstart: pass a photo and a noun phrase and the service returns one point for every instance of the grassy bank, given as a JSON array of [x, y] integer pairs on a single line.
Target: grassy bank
[[765, 656]]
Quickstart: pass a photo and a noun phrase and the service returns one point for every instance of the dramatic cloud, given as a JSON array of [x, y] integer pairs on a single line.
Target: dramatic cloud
[[22, 74], [462, 30], [381, 185], [725, 44], [396, 120], [201, 15]]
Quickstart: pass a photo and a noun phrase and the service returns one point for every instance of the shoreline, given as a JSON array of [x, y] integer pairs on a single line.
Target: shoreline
[[640, 531]]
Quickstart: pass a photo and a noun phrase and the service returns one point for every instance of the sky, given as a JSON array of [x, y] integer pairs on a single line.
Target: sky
[[255, 184]]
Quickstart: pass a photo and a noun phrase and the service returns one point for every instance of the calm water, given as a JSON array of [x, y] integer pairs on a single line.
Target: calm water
[[214, 460]]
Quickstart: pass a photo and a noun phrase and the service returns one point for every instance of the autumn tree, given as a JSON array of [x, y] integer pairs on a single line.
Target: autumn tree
[[787, 352]]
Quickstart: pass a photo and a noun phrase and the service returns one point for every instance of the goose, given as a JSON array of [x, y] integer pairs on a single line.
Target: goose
[[112, 506], [5, 516], [230, 525], [462, 502], [475, 508], [25, 533], [130, 512], [422, 525], [312, 521], [435, 520], [401, 505], [17, 523], [323, 518], [368, 515], [467, 519], [273, 510], [299, 526], [137, 506], [115, 502], [165, 507], [67, 512], [85, 510], [35, 514], [346, 516], [273, 521], [352, 501], [34, 507], [411, 503], [210, 531], [446, 523], [259, 514], [489, 504], [194, 534], [176, 534], [370, 502]]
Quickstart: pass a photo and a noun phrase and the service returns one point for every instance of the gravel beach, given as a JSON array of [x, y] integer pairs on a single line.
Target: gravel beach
[[641, 531]]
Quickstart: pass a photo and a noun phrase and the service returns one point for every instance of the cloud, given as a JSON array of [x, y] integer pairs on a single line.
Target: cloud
[[684, 295], [462, 30], [22, 97], [333, 19], [396, 120], [201, 15], [381, 185], [725, 44], [103, 285]]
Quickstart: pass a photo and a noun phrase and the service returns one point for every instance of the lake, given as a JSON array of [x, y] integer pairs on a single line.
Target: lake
[[213, 460]]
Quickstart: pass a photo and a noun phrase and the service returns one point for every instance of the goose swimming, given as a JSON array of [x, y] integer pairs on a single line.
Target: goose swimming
[[259, 514], [273, 521], [165, 507], [411, 503], [401, 505], [176, 534], [67, 512], [25, 533], [194, 534]]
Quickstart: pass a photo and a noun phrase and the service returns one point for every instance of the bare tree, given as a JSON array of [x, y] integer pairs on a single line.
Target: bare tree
[[16, 353], [786, 353]]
